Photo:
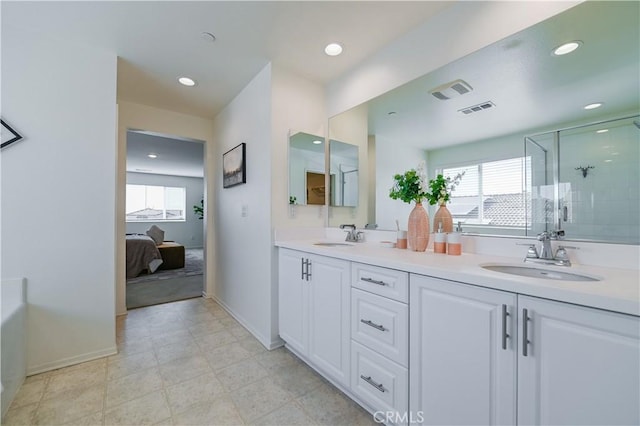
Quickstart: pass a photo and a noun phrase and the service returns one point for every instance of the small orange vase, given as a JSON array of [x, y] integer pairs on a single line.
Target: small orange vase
[[443, 215], [418, 229]]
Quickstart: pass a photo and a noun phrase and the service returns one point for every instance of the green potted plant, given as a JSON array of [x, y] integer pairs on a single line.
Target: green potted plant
[[199, 210], [441, 189], [412, 186]]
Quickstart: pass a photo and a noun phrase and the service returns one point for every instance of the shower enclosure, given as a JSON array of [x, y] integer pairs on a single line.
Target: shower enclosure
[[585, 181]]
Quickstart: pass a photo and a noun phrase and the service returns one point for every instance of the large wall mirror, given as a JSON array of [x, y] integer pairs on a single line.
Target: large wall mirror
[[515, 90]]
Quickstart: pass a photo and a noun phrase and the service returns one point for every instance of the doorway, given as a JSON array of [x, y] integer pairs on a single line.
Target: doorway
[[164, 208]]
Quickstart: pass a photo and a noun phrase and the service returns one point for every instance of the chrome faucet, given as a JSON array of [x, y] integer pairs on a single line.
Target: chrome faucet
[[546, 255], [353, 235], [546, 252]]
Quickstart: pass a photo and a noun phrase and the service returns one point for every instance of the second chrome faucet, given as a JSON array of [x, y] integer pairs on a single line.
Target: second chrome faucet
[[546, 255], [353, 235]]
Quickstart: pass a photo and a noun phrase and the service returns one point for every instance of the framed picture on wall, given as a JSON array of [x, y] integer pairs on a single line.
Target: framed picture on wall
[[9, 135], [234, 166]]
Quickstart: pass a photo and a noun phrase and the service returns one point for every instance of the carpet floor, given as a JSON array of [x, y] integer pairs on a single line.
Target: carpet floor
[[163, 291], [168, 285]]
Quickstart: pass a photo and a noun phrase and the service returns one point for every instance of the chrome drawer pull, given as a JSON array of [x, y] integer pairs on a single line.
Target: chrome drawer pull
[[373, 324], [372, 383], [372, 281]]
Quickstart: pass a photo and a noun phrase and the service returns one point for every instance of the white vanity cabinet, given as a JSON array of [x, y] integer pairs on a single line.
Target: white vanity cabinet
[[380, 340], [581, 365], [476, 354], [462, 353], [314, 310]]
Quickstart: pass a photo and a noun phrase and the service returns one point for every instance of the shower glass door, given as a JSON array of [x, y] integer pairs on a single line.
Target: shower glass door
[[598, 181], [539, 182]]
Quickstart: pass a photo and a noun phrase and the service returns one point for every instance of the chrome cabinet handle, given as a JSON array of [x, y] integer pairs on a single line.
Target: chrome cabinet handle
[[305, 274], [373, 324], [378, 386], [505, 335], [372, 281], [525, 332], [302, 264]]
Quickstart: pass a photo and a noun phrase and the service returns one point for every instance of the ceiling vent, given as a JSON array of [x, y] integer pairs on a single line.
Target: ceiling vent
[[451, 90], [477, 108]]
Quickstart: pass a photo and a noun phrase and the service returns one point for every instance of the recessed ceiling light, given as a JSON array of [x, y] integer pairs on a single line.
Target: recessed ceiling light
[[152, 155], [186, 81], [608, 161], [567, 48], [602, 131], [594, 105], [317, 142], [207, 36], [333, 49], [391, 113]]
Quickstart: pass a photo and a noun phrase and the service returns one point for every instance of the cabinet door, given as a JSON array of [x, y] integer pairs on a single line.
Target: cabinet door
[[329, 319], [459, 371], [582, 365], [293, 294]]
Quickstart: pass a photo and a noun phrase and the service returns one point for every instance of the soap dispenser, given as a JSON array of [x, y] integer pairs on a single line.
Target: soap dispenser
[[440, 241], [454, 241]]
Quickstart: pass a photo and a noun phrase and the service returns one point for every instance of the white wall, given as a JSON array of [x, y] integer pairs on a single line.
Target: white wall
[[143, 117], [262, 115], [58, 194], [453, 33], [189, 233], [243, 264]]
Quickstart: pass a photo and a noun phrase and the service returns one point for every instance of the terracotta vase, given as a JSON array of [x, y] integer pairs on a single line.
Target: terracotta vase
[[443, 215], [418, 229]]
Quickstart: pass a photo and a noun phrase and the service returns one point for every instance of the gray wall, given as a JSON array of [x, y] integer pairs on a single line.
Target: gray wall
[[189, 233]]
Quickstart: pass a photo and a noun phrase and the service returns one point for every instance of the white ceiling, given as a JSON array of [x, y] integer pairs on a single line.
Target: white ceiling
[[531, 88], [158, 41], [175, 156]]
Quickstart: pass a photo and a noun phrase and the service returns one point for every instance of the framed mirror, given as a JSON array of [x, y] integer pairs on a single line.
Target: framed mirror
[[512, 89], [306, 169]]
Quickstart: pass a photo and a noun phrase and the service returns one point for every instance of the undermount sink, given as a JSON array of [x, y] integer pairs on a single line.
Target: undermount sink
[[547, 274], [332, 244]]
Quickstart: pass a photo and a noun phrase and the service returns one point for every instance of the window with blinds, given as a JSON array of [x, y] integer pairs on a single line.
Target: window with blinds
[[490, 194], [147, 203]]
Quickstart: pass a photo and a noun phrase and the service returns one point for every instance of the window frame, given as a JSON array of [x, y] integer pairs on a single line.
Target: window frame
[[164, 207], [481, 197]]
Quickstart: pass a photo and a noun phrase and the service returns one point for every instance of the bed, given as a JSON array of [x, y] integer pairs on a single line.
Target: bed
[[142, 255]]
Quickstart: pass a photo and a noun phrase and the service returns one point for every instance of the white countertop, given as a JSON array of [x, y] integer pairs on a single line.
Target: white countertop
[[618, 291]]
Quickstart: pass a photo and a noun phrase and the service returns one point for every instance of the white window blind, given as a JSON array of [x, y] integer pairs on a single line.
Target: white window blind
[[147, 203], [490, 193]]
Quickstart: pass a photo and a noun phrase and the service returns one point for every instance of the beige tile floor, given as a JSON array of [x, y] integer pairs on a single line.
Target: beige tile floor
[[184, 363]]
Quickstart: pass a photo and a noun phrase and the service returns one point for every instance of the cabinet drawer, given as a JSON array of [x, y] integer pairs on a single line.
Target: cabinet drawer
[[381, 324], [381, 383], [383, 281]]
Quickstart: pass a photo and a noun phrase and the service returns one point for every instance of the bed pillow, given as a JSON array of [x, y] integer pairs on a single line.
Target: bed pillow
[[156, 234]]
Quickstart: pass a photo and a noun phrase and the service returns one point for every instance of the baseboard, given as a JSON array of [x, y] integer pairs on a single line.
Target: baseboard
[[66, 362], [267, 343]]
